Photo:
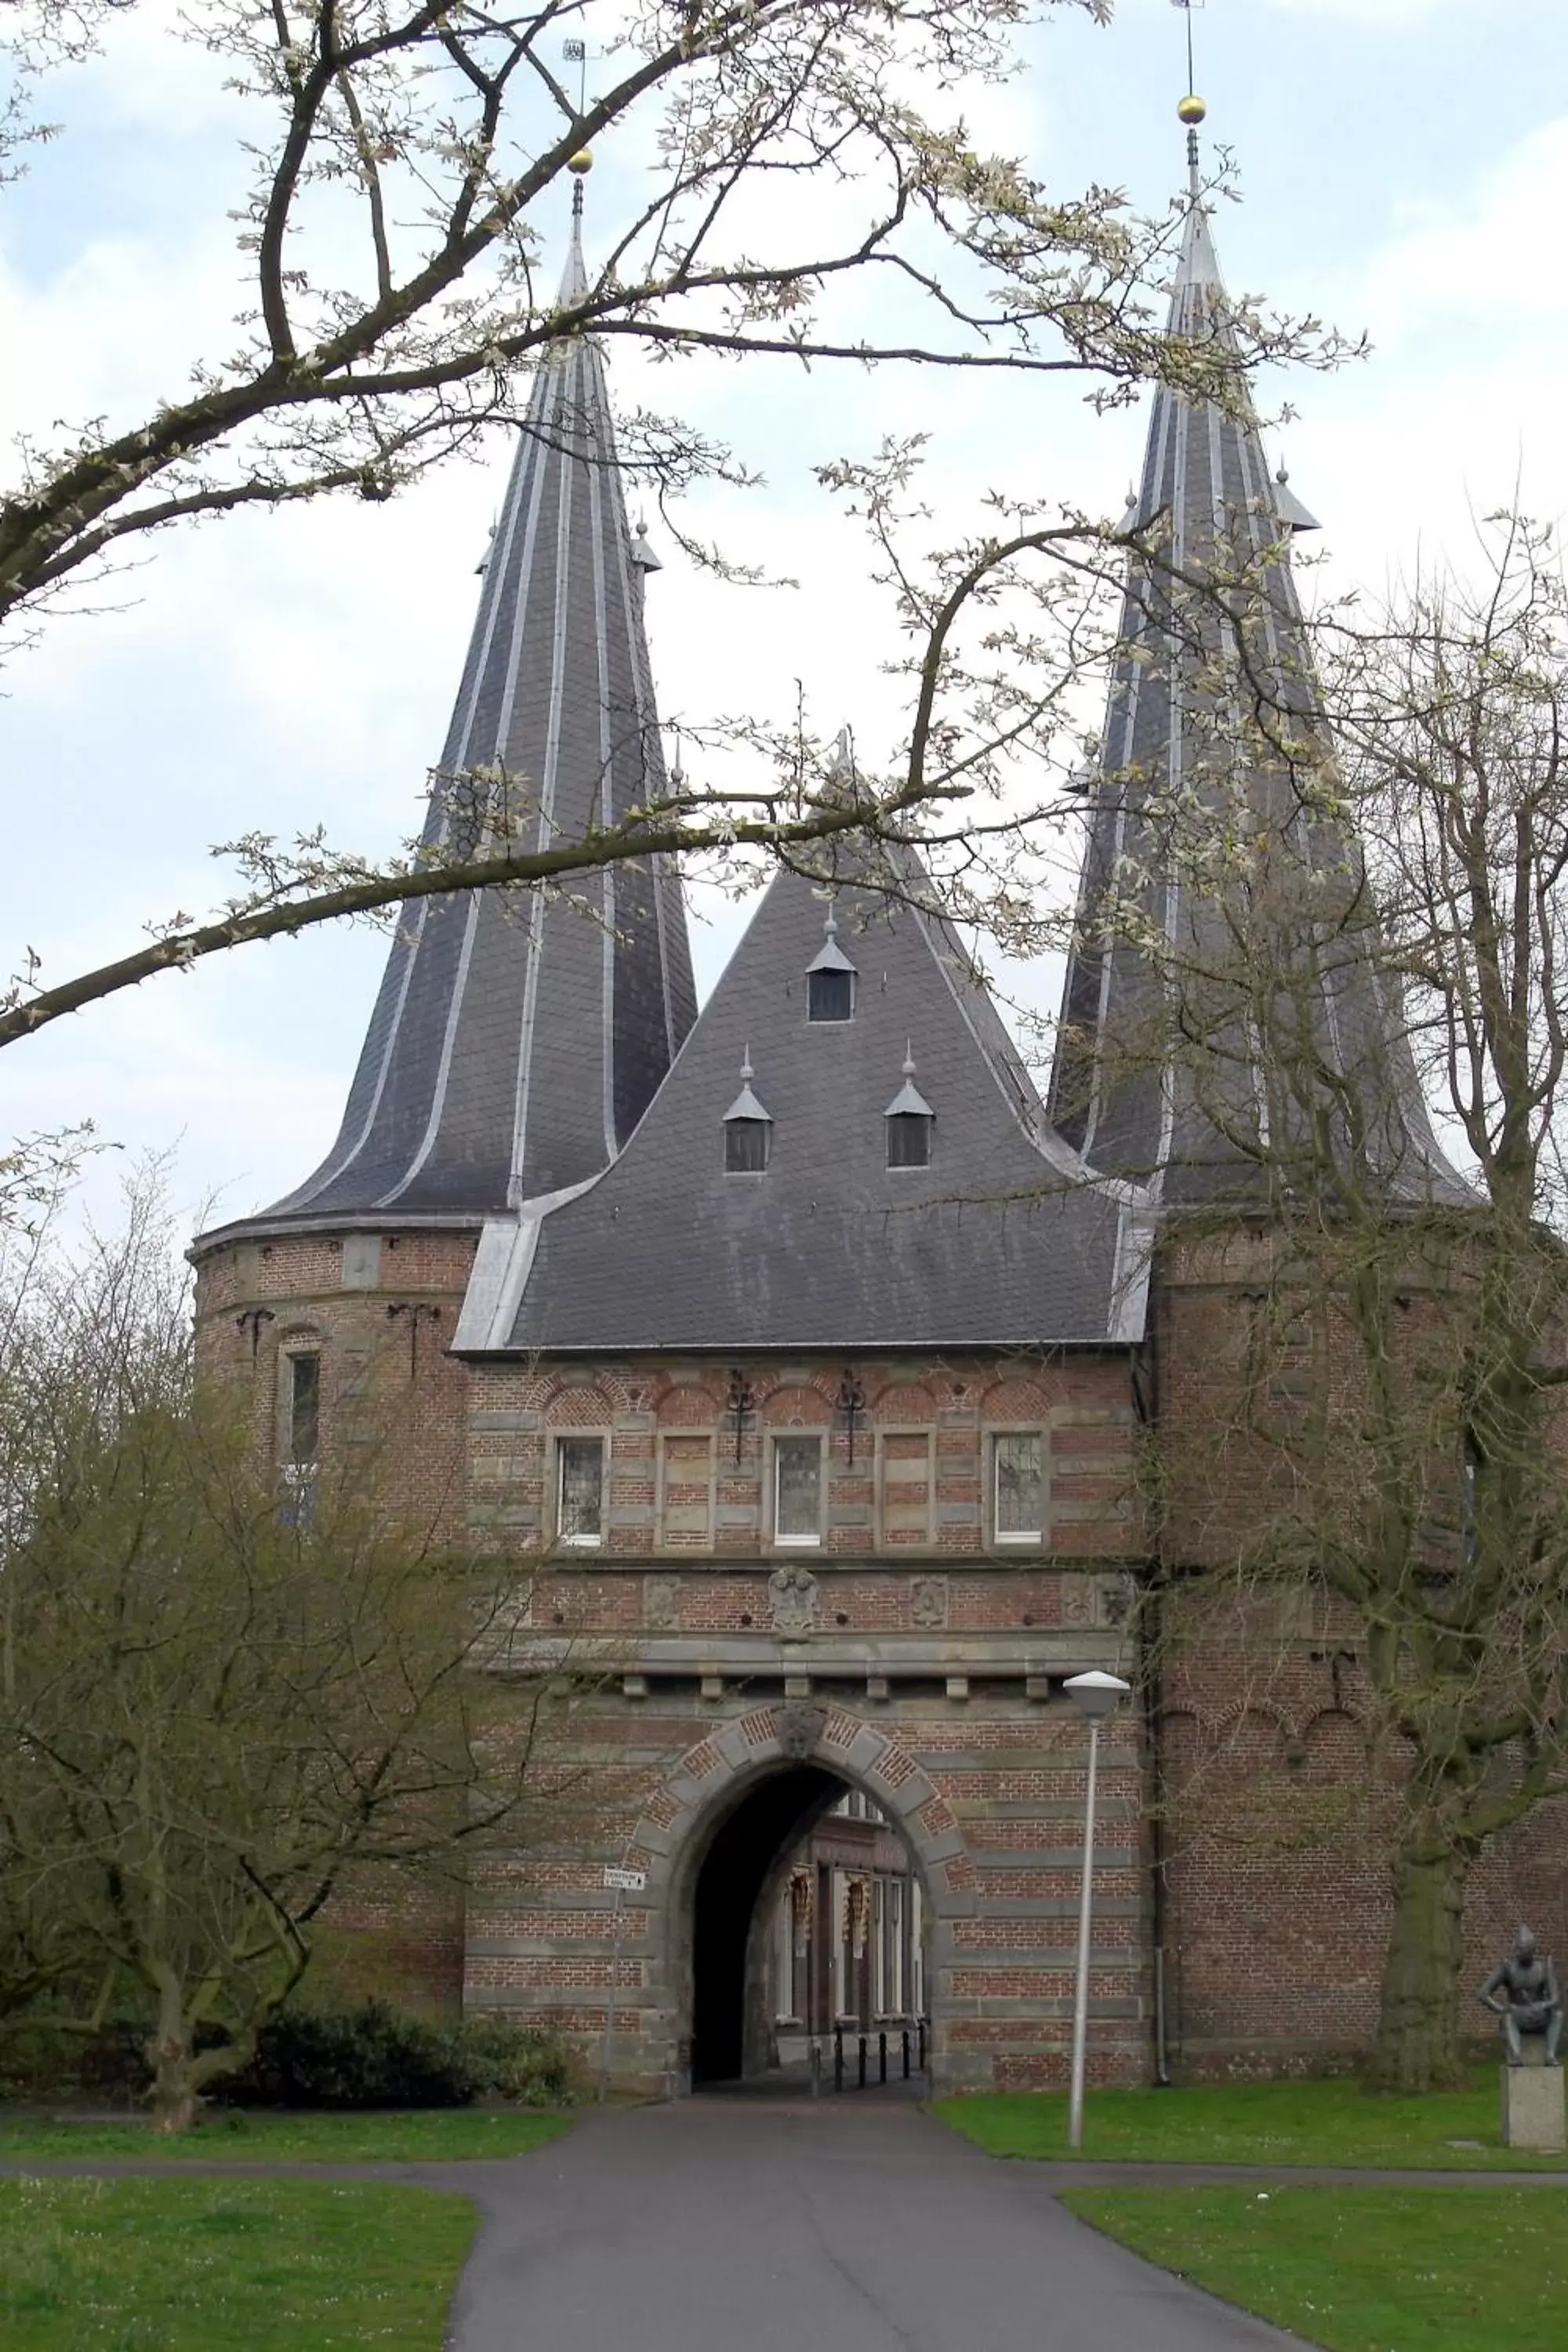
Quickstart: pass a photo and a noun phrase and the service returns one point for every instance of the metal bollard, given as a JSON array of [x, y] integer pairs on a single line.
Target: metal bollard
[[904, 2038], [838, 2057], [922, 2035], [813, 2050], [882, 2056], [862, 2081]]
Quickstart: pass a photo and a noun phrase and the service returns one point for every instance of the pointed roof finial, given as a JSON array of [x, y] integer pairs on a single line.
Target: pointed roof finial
[[745, 1105], [574, 278], [1192, 111], [830, 956], [909, 1102], [1192, 108], [642, 555]]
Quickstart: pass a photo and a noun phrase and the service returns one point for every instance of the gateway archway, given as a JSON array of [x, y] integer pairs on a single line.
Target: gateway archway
[[807, 1915], [760, 1756]]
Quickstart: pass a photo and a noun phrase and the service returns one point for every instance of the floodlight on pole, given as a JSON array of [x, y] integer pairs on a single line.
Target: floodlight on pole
[[1095, 1694]]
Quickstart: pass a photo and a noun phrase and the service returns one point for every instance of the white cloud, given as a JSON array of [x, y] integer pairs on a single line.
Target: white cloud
[[1492, 251]]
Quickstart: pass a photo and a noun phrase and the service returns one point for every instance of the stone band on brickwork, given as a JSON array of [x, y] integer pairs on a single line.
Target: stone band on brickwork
[[989, 1825]]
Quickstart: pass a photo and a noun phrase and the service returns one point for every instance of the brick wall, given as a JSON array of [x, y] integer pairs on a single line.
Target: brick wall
[[1244, 1831], [381, 1310], [1276, 1798]]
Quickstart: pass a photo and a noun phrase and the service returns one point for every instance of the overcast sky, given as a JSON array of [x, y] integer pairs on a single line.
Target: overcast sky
[[1405, 170]]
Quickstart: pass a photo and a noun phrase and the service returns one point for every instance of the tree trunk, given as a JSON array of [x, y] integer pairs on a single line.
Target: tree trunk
[[1418, 2044], [176, 2103]]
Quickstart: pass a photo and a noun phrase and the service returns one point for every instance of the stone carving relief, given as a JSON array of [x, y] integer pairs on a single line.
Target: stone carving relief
[[1115, 1595], [928, 1600], [800, 1727], [794, 1599], [661, 1603]]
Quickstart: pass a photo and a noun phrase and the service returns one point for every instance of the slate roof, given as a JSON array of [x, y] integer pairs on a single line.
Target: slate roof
[[517, 1039], [1180, 1122], [997, 1243]]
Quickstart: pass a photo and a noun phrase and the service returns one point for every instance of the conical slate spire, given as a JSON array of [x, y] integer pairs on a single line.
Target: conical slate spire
[[518, 1038], [1171, 1085]]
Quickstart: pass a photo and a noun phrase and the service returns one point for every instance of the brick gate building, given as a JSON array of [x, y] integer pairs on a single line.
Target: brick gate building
[[792, 1347]]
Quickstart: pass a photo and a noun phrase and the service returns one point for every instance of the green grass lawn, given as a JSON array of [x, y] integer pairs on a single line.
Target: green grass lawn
[[226, 2266], [434, 2135], [1255, 2123], [1363, 2269]]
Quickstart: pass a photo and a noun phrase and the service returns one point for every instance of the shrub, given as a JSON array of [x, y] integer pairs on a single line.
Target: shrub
[[364, 2057], [521, 2065], [42, 2059], [376, 2057]]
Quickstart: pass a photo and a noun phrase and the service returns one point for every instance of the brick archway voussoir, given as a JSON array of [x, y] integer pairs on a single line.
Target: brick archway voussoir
[[743, 1750]]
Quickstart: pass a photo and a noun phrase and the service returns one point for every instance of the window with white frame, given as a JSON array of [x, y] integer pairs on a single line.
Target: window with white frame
[[300, 1370], [916, 1949], [580, 1490], [896, 1911], [879, 1947], [797, 1490], [830, 994], [1018, 1485]]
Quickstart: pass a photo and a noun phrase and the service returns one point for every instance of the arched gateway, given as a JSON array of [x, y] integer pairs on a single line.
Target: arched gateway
[[714, 1844]]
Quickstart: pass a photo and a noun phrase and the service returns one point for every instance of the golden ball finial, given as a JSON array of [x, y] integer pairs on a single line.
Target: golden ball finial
[[582, 162], [1190, 111]]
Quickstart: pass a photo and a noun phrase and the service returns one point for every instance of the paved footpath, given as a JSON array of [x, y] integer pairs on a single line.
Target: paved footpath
[[734, 2225], [715, 2224]]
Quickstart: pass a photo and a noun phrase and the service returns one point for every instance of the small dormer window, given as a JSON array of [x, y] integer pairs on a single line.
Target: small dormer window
[[909, 1139], [909, 1121], [830, 980], [746, 1146], [748, 1128], [830, 996]]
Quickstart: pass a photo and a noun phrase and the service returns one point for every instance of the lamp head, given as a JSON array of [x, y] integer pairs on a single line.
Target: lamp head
[[1096, 1693]]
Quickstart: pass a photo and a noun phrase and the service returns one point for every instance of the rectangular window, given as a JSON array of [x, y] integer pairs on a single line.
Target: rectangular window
[[829, 995], [840, 1941], [1018, 1487], [909, 1139], [1468, 1474], [797, 1490], [580, 1490], [916, 1949], [746, 1146], [304, 1408], [878, 1948], [896, 1905]]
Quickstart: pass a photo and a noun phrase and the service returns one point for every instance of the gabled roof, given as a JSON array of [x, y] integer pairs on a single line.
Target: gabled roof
[[998, 1241], [1179, 1112], [518, 1038]]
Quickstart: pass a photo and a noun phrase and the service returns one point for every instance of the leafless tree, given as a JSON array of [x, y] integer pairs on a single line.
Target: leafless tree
[[410, 163], [220, 1714], [1372, 929]]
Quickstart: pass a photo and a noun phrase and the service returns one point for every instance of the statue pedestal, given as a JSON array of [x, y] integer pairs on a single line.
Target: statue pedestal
[[1532, 2108]]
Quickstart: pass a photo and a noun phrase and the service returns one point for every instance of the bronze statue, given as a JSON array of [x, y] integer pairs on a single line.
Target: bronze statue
[[1522, 1994]]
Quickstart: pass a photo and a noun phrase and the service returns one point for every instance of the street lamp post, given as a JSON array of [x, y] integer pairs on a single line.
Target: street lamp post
[[1095, 1694]]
